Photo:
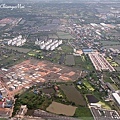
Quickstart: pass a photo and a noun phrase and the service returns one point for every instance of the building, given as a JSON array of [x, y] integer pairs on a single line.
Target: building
[[87, 51], [23, 110], [100, 63], [48, 44], [17, 41], [116, 98]]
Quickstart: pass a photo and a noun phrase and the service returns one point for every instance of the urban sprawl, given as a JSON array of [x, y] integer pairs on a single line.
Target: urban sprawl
[[60, 61]]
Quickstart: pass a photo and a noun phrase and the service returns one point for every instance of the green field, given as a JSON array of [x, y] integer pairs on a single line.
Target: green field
[[69, 60], [66, 49], [83, 113], [22, 50], [63, 35], [69, 91], [88, 86], [83, 62], [53, 36], [104, 105], [114, 86]]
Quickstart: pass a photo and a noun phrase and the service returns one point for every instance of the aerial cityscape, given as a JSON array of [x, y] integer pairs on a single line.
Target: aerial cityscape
[[60, 60]]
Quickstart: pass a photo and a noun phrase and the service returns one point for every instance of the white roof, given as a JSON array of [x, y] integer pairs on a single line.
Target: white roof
[[117, 97]]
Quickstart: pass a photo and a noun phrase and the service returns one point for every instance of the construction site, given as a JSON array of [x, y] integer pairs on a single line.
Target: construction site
[[31, 72]]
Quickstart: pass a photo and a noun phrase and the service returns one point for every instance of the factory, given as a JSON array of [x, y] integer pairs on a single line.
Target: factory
[[49, 44], [100, 63], [17, 41]]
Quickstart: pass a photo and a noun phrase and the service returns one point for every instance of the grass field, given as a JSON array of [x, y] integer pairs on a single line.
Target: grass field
[[88, 86], [114, 86], [22, 50], [59, 108], [104, 105], [63, 35], [67, 49], [83, 62], [70, 91], [69, 60], [53, 36], [83, 113]]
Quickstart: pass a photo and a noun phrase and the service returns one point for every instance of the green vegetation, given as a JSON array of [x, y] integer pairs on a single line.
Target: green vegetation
[[84, 62], [63, 35], [88, 86], [32, 100], [18, 49], [104, 105], [106, 77], [114, 86], [53, 36], [70, 90], [69, 60], [9, 57], [3, 118], [83, 113], [66, 49]]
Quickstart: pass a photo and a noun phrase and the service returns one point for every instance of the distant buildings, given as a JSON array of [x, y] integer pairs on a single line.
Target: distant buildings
[[48, 44], [87, 51], [17, 41]]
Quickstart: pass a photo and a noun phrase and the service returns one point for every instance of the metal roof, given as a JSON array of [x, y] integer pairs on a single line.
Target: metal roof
[[117, 97]]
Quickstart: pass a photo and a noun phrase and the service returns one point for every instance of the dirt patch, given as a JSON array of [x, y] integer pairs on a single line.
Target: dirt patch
[[59, 108]]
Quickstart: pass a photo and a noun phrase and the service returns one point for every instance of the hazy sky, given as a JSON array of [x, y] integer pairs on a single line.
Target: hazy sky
[[12, 1]]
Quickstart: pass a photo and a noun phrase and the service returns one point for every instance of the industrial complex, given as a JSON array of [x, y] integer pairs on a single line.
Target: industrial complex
[[100, 63]]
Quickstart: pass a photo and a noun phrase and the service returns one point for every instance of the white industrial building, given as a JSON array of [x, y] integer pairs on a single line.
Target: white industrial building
[[49, 44], [17, 41], [116, 97]]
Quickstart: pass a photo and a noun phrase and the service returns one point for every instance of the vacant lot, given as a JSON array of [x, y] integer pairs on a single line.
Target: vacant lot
[[73, 95], [70, 60], [59, 108]]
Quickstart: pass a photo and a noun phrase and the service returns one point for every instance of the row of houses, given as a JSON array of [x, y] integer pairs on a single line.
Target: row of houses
[[49, 44]]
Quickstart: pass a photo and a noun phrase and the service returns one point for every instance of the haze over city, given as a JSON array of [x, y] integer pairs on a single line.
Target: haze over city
[[59, 60]]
